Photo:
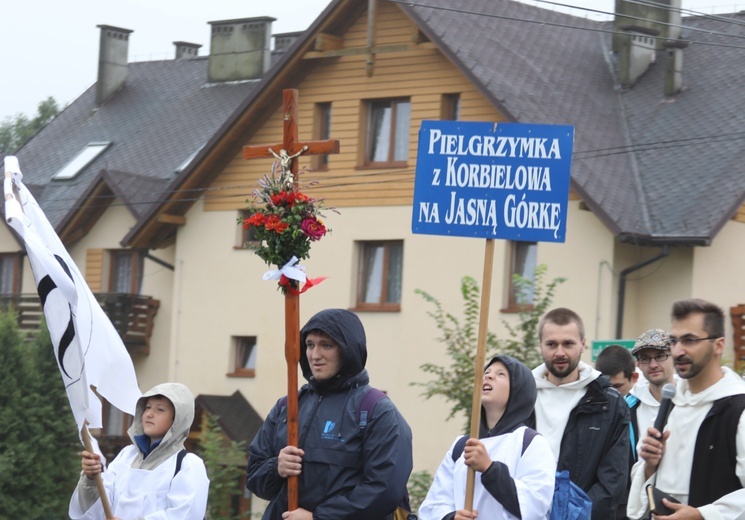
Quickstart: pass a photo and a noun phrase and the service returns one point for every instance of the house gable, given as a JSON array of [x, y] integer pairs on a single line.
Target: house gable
[[412, 70]]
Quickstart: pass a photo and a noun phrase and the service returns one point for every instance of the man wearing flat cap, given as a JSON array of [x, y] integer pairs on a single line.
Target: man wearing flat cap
[[652, 354]]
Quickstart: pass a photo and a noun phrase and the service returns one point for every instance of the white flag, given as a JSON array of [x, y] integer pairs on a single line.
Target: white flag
[[88, 349]]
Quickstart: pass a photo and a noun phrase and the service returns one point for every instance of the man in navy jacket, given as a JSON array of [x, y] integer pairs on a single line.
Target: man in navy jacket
[[344, 471]]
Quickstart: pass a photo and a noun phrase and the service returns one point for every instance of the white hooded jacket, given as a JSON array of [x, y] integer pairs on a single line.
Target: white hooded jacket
[[147, 487], [674, 472]]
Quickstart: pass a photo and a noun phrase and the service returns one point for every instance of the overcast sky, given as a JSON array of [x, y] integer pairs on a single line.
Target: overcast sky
[[50, 48]]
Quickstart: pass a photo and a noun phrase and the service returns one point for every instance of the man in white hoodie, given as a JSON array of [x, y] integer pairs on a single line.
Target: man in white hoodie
[[584, 418], [705, 432], [654, 359]]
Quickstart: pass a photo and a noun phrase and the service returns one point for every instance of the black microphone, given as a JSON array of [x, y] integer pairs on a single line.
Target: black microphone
[[666, 406]]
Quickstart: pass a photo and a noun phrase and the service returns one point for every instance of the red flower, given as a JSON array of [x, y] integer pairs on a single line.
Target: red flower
[[297, 197], [313, 228], [280, 198], [274, 223], [257, 219]]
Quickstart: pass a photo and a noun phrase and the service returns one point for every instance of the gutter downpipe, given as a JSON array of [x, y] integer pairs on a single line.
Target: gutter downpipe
[[622, 286]]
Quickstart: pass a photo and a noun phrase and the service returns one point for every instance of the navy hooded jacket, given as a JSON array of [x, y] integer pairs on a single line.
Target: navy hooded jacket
[[348, 472]]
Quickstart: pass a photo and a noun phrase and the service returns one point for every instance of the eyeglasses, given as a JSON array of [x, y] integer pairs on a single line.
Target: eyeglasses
[[689, 341], [645, 360]]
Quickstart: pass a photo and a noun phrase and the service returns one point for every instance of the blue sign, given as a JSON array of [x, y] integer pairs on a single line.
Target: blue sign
[[492, 180]]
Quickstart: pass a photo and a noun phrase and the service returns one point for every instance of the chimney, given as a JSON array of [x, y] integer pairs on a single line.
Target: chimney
[[663, 16], [240, 49], [186, 50], [637, 53], [674, 67], [284, 41], [112, 61]]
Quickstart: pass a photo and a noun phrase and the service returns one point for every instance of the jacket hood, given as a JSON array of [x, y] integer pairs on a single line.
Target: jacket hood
[[173, 441], [346, 329], [521, 403]]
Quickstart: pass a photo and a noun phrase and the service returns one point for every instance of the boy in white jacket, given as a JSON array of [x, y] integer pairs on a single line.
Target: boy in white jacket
[[515, 465], [142, 482]]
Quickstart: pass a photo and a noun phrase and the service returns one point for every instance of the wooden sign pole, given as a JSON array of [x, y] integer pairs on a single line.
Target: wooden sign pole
[[478, 377]]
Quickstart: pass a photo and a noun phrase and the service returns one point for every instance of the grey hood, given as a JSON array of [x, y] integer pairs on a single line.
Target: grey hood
[[173, 441]]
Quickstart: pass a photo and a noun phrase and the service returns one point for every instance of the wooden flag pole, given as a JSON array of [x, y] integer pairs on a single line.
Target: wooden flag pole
[[99, 479], [478, 377]]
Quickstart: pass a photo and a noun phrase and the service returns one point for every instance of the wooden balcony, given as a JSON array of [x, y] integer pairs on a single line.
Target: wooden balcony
[[132, 315]]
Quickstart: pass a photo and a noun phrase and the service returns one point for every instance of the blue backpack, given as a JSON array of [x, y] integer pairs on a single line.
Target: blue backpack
[[570, 501]]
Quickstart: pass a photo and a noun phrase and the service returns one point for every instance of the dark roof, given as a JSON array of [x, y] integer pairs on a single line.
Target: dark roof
[[235, 415], [162, 115], [653, 169], [541, 66]]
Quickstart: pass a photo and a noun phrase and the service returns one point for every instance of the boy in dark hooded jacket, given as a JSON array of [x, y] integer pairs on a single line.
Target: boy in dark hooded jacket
[[344, 472], [515, 465]]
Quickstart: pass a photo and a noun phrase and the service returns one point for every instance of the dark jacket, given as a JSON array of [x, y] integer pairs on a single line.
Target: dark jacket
[[348, 473], [595, 447], [714, 470]]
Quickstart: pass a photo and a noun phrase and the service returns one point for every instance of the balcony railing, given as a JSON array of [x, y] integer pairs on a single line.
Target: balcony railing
[[132, 315]]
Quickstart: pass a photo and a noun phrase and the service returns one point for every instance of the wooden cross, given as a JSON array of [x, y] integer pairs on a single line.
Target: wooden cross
[[286, 152]]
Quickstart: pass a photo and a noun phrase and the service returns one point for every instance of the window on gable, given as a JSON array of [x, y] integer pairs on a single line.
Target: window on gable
[[523, 261], [244, 356], [450, 110], [125, 271], [387, 134], [321, 132], [78, 163], [11, 267], [380, 273]]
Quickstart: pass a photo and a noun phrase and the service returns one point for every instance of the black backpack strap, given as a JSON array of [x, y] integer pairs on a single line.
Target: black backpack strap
[[528, 436], [179, 460], [460, 445]]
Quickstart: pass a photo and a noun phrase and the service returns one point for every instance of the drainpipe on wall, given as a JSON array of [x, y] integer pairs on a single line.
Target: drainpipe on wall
[[622, 286]]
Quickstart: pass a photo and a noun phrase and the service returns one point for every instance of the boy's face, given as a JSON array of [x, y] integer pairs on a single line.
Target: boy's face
[[495, 390], [157, 418], [621, 383]]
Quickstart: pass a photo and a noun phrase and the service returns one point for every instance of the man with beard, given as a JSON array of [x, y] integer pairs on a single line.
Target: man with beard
[[705, 432], [584, 419]]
